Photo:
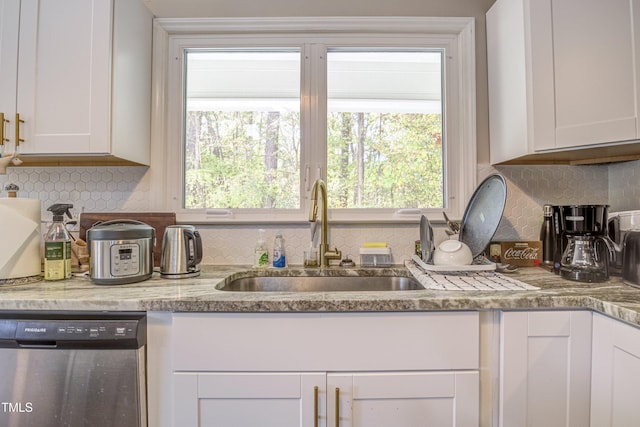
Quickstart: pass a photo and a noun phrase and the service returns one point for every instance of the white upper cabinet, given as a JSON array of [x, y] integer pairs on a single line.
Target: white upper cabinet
[[80, 79], [563, 80]]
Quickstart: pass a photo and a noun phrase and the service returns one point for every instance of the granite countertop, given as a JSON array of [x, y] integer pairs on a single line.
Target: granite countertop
[[200, 294]]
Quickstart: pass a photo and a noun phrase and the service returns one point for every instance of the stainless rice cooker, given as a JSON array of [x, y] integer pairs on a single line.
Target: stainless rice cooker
[[121, 251]]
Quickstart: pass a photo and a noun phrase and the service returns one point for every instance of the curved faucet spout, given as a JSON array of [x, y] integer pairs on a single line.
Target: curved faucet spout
[[325, 254], [313, 213]]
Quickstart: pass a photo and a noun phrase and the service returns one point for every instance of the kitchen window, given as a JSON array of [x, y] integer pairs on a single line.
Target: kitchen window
[[380, 108]]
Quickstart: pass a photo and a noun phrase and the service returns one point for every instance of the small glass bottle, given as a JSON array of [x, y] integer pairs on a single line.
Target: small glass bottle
[[57, 246], [279, 258]]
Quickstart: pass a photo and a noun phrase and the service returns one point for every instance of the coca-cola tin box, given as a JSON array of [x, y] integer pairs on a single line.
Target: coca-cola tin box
[[521, 253]]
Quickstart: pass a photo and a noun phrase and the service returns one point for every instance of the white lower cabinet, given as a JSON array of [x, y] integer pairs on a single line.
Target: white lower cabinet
[[615, 382], [545, 369], [363, 399], [325, 370], [248, 399], [402, 399], [550, 368]]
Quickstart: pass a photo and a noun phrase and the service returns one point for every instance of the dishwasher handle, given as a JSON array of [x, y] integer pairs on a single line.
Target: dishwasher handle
[[37, 344], [5, 343]]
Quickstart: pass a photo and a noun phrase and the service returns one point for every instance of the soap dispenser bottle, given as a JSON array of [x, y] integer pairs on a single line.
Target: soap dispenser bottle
[[57, 245], [279, 258], [261, 254]]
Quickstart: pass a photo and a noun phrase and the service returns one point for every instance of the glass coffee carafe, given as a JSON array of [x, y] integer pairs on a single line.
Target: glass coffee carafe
[[585, 259]]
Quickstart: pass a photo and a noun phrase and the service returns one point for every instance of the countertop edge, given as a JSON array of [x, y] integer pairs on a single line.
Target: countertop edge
[[612, 298]]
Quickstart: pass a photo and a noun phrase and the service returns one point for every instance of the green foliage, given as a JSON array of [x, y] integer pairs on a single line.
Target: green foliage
[[252, 160], [230, 164], [401, 155]]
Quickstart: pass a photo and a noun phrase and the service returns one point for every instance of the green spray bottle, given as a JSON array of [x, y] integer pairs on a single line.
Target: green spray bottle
[[57, 245]]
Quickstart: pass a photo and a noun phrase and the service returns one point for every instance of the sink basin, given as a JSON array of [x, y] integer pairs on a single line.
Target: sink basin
[[322, 284]]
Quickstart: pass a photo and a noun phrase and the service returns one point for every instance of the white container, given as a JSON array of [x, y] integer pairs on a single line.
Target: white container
[[21, 237], [375, 257]]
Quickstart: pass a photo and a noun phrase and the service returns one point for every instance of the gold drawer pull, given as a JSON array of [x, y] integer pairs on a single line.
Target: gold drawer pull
[[337, 407], [2, 122], [315, 406], [18, 121]]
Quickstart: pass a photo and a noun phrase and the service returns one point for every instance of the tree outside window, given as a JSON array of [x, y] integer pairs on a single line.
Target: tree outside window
[[384, 147]]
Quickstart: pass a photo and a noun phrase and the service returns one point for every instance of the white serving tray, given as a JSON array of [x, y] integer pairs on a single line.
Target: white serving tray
[[489, 266]]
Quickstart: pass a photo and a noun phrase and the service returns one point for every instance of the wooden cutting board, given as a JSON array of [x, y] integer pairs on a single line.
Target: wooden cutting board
[[158, 220]]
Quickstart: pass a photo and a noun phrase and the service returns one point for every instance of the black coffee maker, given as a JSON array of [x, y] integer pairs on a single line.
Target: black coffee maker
[[581, 249]]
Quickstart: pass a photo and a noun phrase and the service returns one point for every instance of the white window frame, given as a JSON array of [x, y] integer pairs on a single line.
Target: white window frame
[[172, 36]]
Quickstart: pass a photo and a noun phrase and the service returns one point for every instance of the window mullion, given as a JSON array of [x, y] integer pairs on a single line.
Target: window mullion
[[319, 110], [313, 117]]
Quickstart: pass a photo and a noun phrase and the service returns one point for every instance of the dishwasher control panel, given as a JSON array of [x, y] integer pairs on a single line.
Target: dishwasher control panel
[[75, 330], [78, 332]]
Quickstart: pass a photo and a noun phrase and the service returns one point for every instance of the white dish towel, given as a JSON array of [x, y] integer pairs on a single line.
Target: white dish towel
[[465, 280]]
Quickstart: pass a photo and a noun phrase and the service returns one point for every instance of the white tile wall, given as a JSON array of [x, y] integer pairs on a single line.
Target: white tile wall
[[624, 186], [92, 189], [234, 245], [529, 187]]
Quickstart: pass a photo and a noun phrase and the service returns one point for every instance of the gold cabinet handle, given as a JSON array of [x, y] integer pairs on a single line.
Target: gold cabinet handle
[[337, 407], [2, 122], [18, 121], [315, 406]]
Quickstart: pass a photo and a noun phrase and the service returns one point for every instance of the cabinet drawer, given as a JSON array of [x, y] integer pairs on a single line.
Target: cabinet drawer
[[325, 342]]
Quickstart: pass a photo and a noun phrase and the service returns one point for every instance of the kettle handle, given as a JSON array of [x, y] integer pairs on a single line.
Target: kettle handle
[[613, 250], [613, 229], [193, 236]]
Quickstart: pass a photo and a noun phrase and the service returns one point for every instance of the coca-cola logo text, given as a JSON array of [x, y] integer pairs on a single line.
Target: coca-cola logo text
[[524, 253]]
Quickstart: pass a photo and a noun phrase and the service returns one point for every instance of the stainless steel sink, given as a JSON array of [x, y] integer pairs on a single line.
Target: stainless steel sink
[[322, 284]]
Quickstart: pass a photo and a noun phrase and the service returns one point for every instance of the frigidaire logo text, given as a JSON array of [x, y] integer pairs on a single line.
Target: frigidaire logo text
[[17, 407], [36, 330]]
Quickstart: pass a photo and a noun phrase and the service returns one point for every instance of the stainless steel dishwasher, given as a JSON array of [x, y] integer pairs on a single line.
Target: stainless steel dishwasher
[[73, 370]]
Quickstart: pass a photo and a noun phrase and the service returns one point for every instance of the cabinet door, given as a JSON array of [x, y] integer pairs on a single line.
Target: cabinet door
[[545, 368], [405, 399], [615, 387], [64, 76], [594, 60], [562, 74], [9, 23], [249, 399]]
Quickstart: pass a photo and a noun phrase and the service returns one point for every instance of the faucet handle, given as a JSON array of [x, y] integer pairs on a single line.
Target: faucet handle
[[334, 254]]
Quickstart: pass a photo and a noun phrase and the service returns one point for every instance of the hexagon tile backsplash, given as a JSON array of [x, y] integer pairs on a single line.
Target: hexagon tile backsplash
[[624, 186], [105, 189], [92, 189], [531, 187]]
